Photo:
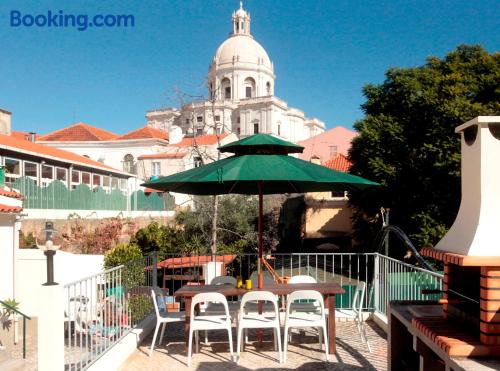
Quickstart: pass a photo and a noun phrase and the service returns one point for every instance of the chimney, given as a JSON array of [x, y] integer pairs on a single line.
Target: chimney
[[475, 230], [32, 136], [5, 122], [316, 160]]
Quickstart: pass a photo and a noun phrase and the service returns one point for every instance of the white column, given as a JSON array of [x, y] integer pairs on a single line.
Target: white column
[[51, 329]]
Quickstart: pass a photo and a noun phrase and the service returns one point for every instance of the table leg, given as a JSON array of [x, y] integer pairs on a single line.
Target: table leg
[[331, 324], [187, 309], [260, 331]]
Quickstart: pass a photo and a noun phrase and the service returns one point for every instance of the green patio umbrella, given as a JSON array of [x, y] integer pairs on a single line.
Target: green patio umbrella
[[260, 165]]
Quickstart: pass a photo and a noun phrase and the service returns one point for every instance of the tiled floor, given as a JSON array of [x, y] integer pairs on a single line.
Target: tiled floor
[[304, 352]]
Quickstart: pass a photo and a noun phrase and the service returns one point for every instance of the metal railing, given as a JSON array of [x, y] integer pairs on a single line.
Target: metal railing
[[101, 309], [396, 280], [25, 317]]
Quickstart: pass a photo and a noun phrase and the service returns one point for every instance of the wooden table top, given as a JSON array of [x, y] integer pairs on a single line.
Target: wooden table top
[[326, 288]]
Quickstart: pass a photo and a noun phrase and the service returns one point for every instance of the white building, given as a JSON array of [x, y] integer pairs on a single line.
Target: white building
[[241, 99]]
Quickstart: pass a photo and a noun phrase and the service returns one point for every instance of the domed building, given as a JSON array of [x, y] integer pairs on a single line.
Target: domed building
[[240, 97]]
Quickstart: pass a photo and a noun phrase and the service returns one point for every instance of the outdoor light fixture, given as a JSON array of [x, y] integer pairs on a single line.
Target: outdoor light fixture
[[49, 249]]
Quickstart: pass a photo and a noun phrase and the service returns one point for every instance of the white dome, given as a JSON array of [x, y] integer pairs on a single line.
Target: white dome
[[242, 49]]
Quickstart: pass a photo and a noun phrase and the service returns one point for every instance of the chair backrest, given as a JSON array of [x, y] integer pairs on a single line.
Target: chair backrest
[[302, 279], [306, 295], [223, 280], [158, 301], [357, 301], [253, 296], [209, 297]]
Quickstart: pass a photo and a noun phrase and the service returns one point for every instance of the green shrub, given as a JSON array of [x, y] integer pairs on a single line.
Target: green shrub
[[122, 254]]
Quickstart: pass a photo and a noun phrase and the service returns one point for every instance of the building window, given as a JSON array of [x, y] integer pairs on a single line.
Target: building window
[[123, 184], [61, 174], [199, 119], [155, 168], [106, 182], [12, 166], [114, 183], [30, 169], [279, 129], [187, 121], [238, 120], [96, 180], [128, 164], [47, 172], [333, 151], [249, 84], [197, 161], [227, 92], [256, 128], [75, 178], [238, 131], [268, 88], [86, 178], [217, 118], [218, 130]]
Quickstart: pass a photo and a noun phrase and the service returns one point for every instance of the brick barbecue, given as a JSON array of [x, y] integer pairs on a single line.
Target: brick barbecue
[[470, 251]]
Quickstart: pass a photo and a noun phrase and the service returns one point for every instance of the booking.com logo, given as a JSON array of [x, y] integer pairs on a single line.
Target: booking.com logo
[[79, 21]]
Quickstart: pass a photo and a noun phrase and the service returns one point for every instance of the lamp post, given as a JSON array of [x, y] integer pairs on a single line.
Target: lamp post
[[49, 250]]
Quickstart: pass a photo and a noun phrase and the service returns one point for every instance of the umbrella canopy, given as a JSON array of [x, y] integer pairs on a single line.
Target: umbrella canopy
[[260, 166], [242, 173]]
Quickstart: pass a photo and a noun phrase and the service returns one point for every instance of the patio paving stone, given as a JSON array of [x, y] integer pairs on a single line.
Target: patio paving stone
[[304, 352]]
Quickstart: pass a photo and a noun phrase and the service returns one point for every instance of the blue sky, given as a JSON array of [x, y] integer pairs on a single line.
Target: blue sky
[[323, 53]]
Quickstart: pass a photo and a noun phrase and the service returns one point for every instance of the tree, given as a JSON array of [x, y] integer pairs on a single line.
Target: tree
[[407, 142]]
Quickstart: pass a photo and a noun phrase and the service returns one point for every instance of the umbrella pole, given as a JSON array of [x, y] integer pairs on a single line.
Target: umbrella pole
[[259, 262]]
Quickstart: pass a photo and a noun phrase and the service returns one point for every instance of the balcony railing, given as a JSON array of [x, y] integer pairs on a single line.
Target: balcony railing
[[57, 196], [103, 308]]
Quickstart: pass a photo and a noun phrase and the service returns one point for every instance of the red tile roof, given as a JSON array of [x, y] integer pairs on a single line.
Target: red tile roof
[[10, 209], [163, 155], [24, 135], [193, 261], [145, 132], [79, 132], [201, 140], [151, 190], [13, 144], [11, 194], [338, 162]]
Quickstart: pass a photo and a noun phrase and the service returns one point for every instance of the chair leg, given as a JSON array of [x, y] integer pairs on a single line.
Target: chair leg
[[197, 341], [163, 325], [278, 337], [230, 336], [154, 338], [275, 337], [325, 336], [239, 345], [320, 336], [285, 343], [365, 338], [206, 337], [190, 347]]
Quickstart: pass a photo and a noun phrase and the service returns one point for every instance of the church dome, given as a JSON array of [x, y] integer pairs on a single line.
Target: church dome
[[242, 49]]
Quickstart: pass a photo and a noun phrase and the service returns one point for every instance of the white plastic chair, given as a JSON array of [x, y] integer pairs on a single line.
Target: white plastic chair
[[301, 319], [209, 322], [162, 315], [303, 307], [218, 308], [255, 320], [357, 309]]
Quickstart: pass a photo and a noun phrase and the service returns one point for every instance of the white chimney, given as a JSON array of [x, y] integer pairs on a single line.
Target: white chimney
[[475, 230], [174, 134], [5, 122]]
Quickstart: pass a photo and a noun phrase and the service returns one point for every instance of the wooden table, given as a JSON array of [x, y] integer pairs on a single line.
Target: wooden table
[[328, 289]]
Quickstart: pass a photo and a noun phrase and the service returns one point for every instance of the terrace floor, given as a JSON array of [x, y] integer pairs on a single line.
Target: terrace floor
[[304, 352]]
